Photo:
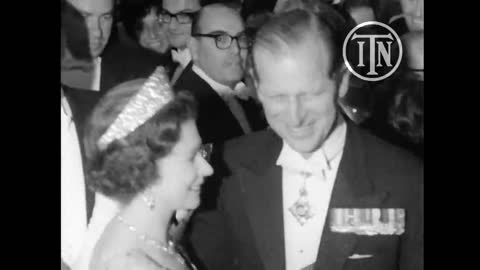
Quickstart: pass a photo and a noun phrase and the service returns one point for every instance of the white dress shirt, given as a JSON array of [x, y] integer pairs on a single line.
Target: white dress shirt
[[302, 242], [229, 96], [73, 208]]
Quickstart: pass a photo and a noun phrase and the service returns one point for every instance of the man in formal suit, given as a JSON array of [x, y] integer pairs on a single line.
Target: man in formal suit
[[314, 191], [98, 16], [178, 15], [74, 213], [83, 213], [218, 47]]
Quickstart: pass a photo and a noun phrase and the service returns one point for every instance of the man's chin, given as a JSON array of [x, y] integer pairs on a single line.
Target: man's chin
[[303, 146]]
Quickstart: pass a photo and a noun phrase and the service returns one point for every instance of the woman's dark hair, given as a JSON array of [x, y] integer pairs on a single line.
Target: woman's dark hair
[[128, 166], [133, 11]]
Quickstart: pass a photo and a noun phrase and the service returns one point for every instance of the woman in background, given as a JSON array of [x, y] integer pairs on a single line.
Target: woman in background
[[139, 45]]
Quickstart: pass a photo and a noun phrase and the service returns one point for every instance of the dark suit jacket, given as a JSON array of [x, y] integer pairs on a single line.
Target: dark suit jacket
[[215, 122], [246, 232], [81, 103]]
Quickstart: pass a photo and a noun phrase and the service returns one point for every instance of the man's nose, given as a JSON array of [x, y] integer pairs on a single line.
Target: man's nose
[[296, 112], [206, 168], [173, 23], [95, 27]]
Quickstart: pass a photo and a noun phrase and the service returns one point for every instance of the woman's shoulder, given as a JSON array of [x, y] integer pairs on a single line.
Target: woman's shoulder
[[133, 260]]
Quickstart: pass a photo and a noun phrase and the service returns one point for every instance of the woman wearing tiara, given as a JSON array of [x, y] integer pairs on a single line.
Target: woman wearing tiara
[[145, 152]]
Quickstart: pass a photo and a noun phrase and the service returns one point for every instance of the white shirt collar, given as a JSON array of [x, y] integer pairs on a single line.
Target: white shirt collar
[[221, 89], [181, 56], [97, 74]]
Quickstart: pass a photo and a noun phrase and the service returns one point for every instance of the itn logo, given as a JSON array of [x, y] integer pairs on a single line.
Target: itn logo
[[372, 51]]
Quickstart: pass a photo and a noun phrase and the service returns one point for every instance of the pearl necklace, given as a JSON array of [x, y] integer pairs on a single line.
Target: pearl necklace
[[169, 247]]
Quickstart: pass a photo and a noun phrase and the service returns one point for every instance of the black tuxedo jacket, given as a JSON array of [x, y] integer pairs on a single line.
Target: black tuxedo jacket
[[215, 122], [247, 230], [81, 103]]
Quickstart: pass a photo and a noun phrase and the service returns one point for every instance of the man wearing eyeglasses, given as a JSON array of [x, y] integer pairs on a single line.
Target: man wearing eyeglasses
[[178, 15], [219, 48]]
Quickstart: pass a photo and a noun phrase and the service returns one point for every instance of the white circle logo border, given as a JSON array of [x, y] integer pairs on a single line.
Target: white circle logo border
[[344, 50]]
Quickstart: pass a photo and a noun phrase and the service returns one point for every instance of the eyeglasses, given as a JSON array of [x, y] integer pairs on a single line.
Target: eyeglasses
[[223, 41], [182, 17], [206, 151]]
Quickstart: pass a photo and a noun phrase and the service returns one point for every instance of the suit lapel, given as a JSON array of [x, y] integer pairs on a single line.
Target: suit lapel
[[222, 107], [253, 113], [78, 115], [211, 105], [352, 189], [219, 106], [263, 191], [178, 70], [74, 107], [112, 71]]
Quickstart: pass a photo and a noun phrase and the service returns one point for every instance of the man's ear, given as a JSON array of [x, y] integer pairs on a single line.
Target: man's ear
[[343, 78], [192, 45]]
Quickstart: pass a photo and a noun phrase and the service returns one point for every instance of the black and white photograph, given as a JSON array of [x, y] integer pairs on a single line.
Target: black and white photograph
[[242, 134]]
